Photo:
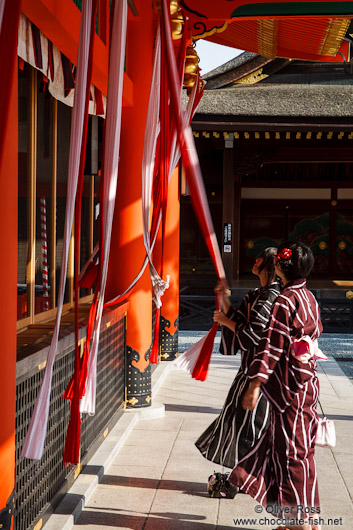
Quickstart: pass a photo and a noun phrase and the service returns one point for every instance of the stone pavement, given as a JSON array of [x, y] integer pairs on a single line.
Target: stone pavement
[[149, 475]]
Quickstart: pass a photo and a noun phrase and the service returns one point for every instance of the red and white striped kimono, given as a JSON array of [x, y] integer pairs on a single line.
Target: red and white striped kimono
[[280, 470]]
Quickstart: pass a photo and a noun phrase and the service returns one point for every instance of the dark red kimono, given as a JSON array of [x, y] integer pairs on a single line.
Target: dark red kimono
[[280, 471]]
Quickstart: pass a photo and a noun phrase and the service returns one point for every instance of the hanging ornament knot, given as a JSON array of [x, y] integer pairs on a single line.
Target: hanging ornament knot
[[159, 287]]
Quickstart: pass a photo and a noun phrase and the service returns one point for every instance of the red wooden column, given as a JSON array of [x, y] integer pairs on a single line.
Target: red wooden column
[[127, 249], [169, 325], [8, 306]]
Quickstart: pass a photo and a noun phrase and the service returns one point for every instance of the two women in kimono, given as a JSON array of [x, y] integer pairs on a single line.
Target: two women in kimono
[[279, 471], [236, 430]]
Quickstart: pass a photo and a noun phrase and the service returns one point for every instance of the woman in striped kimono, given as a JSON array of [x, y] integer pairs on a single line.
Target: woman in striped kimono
[[236, 431], [280, 471]]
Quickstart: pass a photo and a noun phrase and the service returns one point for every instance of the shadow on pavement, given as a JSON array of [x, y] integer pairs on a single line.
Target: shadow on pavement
[[149, 483], [190, 408]]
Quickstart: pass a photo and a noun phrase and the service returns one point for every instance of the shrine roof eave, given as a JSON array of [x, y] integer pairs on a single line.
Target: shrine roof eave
[[238, 61], [334, 101]]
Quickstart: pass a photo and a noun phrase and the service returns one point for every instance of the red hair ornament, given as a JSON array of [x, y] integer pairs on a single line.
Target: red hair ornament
[[284, 255]]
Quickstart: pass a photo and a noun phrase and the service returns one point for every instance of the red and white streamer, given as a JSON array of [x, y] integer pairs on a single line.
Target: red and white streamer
[[152, 132], [148, 165], [45, 278], [203, 349], [35, 438], [111, 160]]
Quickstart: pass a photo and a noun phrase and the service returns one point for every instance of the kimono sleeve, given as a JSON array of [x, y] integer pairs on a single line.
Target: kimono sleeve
[[229, 343], [249, 333]]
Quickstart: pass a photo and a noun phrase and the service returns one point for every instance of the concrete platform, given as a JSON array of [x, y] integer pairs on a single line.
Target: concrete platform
[[150, 475]]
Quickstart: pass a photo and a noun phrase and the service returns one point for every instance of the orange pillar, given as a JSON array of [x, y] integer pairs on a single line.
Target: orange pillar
[[127, 249], [8, 306], [169, 325]]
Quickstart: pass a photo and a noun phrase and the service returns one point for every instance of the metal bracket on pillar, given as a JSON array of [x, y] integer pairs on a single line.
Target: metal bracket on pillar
[[7, 513], [138, 385], [169, 342]]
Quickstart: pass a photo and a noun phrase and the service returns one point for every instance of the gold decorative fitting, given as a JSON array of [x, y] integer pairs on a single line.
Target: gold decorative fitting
[[190, 80], [77, 470], [212, 31], [165, 355], [251, 79], [132, 401], [342, 245], [177, 25], [148, 399], [250, 244], [191, 61], [333, 203], [173, 6], [39, 525], [349, 295], [189, 89], [322, 245]]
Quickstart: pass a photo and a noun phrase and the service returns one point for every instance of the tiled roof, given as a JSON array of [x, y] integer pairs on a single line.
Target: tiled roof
[[279, 100]]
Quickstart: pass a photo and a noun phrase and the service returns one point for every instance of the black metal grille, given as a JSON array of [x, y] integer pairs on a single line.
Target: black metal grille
[[336, 315], [196, 313], [37, 483]]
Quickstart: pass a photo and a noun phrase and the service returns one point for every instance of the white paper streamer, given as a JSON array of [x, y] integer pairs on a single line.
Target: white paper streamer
[[111, 161], [35, 438]]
